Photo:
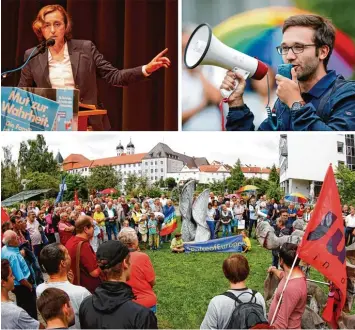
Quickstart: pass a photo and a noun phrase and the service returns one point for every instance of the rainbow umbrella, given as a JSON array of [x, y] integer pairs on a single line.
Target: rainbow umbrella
[[258, 32], [296, 198], [247, 188]]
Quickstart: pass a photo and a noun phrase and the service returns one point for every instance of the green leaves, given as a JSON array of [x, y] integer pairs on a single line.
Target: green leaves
[[102, 177]]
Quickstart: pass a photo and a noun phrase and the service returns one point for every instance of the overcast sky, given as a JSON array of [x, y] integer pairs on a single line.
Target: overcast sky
[[259, 149]]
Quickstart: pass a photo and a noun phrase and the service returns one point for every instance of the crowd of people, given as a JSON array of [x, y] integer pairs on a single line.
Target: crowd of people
[[98, 277]]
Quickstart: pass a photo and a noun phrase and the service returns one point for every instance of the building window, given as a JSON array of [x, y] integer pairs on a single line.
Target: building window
[[161, 162], [156, 170], [341, 147], [151, 171], [151, 163], [161, 170], [151, 178], [156, 163], [161, 177], [156, 178]]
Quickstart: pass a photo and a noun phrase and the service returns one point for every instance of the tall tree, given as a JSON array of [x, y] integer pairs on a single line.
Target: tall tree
[[236, 180], [42, 181], [217, 186], [75, 182], [102, 177], [274, 175], [346, 183], [10, 180], [170, 183], [132, 182], [274, 191], [35, 157]]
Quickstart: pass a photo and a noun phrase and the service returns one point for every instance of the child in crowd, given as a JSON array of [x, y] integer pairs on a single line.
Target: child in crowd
[[143, 229], [177, 245], [153, 232], [246, 242]]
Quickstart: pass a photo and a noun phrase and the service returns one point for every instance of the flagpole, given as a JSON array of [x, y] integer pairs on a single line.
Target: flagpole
[[318, 282], [288, 278]]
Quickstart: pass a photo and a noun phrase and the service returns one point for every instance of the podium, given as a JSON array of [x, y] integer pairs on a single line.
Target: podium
[[84, 116], [39, 109], [44, 109]]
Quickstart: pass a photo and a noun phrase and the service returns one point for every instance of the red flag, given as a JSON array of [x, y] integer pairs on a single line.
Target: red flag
[[323, 246], [76, 199], [4, 216]]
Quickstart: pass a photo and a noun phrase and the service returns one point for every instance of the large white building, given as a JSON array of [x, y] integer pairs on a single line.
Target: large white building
[[303, 160], [159, 163]]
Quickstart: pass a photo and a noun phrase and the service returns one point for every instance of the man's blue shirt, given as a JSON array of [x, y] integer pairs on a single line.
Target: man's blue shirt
[[18, 265], [330, 106]]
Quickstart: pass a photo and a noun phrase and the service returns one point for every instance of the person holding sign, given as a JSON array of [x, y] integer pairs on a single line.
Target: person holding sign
[[74, 64]]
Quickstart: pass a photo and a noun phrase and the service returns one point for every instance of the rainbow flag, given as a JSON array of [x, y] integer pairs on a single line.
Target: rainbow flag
[[170, 222]]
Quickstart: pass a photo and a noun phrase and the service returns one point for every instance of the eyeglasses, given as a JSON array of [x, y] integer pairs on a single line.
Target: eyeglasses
[[296, 49], [56, 26]]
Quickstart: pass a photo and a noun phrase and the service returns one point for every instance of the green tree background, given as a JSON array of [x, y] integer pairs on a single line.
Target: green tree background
[[102, 177]]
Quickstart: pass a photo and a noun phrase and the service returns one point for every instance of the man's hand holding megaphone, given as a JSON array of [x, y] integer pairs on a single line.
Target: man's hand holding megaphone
[[229, 82], [288, 90]]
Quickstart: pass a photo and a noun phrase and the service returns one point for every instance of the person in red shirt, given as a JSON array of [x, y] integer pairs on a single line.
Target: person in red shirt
[[89, 270], [142, 278], [294, 299]]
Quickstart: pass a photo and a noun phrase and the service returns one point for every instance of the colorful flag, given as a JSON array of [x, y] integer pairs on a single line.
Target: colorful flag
[[76, 199], [169, 221], [323, 246]]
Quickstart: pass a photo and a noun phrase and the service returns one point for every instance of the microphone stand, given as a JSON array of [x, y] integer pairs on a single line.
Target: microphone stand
[[41, 49]]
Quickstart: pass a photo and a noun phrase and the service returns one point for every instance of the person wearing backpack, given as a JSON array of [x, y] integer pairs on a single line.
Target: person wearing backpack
[[239, 307]]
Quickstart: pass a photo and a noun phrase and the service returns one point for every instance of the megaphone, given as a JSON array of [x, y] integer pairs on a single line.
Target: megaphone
[[203, 48]]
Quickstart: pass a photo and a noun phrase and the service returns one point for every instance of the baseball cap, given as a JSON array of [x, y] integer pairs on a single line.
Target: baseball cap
[[111, 253]]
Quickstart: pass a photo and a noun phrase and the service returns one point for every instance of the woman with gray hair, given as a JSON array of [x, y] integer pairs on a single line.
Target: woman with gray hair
[[142, 277]]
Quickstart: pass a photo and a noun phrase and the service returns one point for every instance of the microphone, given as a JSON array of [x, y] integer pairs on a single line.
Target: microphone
[[41, 49], [44, 45]]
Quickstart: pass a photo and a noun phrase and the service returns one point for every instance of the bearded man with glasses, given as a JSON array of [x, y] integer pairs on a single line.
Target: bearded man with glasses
[[315, 99]]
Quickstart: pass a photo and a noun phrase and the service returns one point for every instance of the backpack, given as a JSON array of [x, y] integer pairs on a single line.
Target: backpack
[[245, 314]]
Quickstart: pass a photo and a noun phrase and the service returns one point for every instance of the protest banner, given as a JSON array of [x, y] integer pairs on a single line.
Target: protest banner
[[226, 244]]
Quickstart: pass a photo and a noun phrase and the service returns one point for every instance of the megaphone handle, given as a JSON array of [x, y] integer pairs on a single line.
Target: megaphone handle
[[225, 93]]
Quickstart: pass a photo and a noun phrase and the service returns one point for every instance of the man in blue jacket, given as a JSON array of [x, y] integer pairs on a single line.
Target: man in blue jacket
[[315, 99]]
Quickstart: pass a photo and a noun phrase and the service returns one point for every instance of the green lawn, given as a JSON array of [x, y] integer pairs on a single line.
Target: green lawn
[[185, 283]]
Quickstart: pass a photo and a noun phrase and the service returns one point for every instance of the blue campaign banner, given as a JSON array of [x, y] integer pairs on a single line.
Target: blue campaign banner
[[65, 98], [226, 244], [25, 111]]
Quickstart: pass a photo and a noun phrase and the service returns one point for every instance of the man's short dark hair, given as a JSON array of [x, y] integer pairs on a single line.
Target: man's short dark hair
[[50, 303], [51, 256], [236, 268], [82, 222], [324, 31], [283, 211], [288, 254]]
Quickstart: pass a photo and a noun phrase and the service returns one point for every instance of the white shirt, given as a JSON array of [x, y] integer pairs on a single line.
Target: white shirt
[[35, 235], [76, 294], [60, 72], [350, 221]]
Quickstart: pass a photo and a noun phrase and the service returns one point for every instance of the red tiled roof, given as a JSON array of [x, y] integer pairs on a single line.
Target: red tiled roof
[[256, 170], [119, 160], [210, 168], [75, 158], [76, 161]]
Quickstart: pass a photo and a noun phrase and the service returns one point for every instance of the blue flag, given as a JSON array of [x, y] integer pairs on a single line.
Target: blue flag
[[61, 191], [226, 244]]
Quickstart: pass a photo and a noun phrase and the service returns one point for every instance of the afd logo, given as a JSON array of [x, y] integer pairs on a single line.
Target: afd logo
[[333, 243]]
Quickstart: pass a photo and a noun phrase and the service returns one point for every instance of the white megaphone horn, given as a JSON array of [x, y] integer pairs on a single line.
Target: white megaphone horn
[[203, 48]]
